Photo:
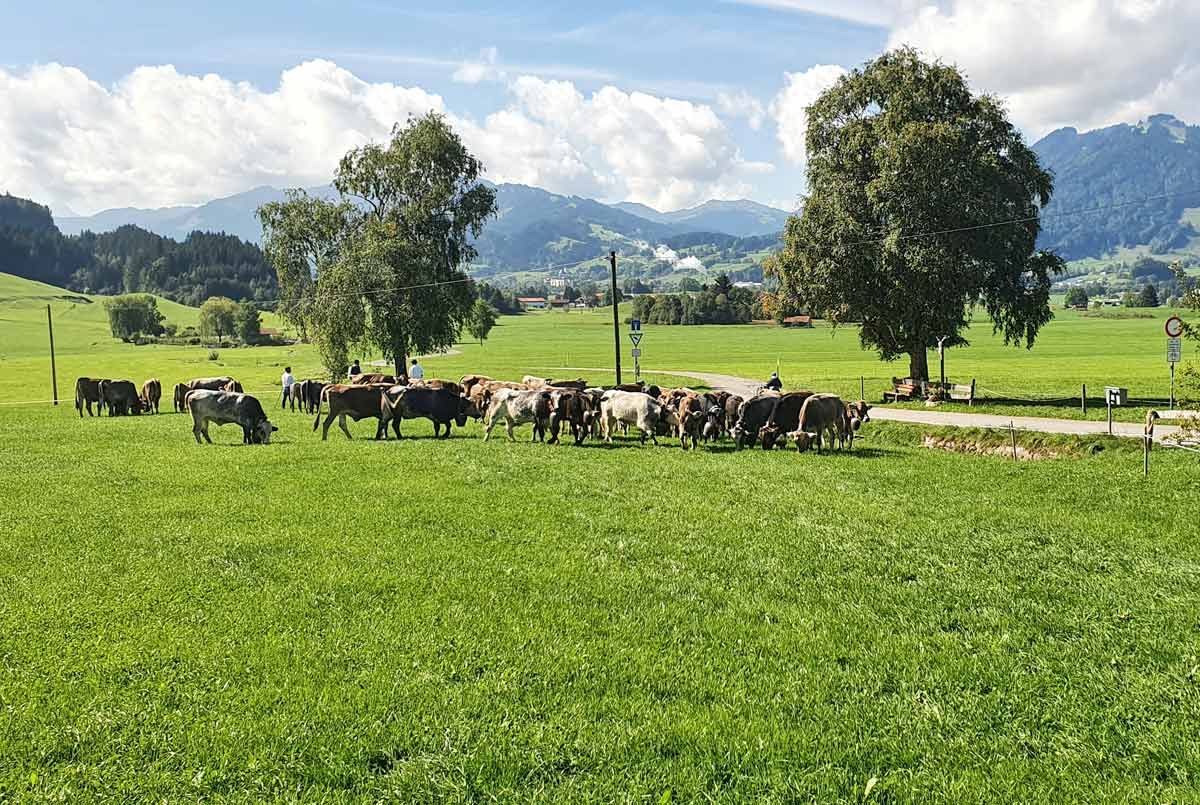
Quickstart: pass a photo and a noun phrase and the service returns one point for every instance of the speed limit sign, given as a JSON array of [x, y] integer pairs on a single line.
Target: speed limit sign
[[1174, 327]]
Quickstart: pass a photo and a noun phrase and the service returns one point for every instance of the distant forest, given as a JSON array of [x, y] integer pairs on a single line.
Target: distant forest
[[130, 259]]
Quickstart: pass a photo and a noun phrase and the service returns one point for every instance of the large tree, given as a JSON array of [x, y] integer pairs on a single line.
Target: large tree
[[923, 203], [218, 317], [381, 266]]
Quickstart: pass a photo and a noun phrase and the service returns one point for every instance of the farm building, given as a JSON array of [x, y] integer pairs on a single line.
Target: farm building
[[798, 321], [533, 302]]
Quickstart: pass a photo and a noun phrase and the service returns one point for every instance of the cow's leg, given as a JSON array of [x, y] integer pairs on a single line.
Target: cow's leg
[[396, 427], [508, 426], [325, 425], [381, 430], [342, 425]]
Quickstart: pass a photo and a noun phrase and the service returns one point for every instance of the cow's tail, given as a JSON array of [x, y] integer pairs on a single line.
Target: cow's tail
[[320, 400]]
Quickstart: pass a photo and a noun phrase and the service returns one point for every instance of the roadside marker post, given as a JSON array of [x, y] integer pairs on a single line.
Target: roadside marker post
[[1114, 396], [635, 336], [1174, 329]]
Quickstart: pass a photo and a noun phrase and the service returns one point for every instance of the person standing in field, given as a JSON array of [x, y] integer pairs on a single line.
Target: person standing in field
[[288, 381], [416, 371], [355, 369]]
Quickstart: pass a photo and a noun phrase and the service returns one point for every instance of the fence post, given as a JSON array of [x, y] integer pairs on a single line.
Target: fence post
[[1146, 440], [1083, 400], [1012, 429], [862, 387]]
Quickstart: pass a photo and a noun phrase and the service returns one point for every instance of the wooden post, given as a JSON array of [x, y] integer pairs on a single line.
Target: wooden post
[[862, 387], [1083, 400], [1108, 400], [612, 259], [1012, 429], [1146, 441], [53, 370]]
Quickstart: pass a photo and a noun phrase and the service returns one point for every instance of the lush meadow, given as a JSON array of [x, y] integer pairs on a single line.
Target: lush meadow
[[465, 621]]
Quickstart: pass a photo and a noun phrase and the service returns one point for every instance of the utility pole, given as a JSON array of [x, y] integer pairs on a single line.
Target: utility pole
[[53, 371], [612, 261], [942, 360]]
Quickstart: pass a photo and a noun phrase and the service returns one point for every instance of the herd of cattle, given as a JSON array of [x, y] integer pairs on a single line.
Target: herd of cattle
[[557, 407]]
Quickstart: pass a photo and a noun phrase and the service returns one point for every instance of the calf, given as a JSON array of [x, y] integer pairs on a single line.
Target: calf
[[87, 391], [633, 408], [151, 394], [518, 407], [349, 400], [120, 397], [222, 408], [440, 406]]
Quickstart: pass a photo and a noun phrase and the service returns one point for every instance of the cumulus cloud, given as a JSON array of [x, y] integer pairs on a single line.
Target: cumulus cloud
[[484, 69], [1083, 63], [789, 107], [742, 104], [160, 137]]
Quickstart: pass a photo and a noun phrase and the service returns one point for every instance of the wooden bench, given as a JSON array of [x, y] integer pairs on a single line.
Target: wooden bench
[[903, 388]]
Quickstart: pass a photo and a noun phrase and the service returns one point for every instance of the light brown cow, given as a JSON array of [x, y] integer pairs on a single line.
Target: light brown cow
[[823, 415], [689, 408], [151, 394], [350, 400], [181, 392]]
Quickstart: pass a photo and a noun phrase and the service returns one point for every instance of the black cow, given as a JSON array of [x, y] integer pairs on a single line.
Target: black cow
[[224, 407], [120, 397], [784, 418], [440, 406], [87, 391]]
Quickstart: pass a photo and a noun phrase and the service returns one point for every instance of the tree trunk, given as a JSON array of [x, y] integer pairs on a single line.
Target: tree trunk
[[918, 365], [399, 355]]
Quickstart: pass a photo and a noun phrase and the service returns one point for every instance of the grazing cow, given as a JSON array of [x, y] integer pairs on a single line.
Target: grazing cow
[[210, 383], [225, 407], [733, 404], [233, 387], [120, 397], [578, 384], [482, 392], [784, 418], [87, 391], [309, 394], [440, 406], [181, 392], [823, 415], [573, 408], [690, 410], [517, 407], [151, 395], [349, 400], [634, 408], [752, 415], [856, 414]]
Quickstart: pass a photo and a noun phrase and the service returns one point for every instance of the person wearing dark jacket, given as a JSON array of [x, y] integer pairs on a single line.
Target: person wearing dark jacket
[[774, 384]]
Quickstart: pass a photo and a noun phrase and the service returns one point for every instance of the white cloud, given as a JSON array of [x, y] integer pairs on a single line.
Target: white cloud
[[690, 262], [879, 13], [485, 69], [741, 104], [160, 137], [1083, 63], [790, 106]]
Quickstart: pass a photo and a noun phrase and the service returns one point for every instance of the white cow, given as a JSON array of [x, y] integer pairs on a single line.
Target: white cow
[[518, 407], [633, 408]]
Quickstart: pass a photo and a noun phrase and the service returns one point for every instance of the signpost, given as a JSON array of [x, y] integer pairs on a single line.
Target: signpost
[[1114, 395], [635, 336], [1174, 328]]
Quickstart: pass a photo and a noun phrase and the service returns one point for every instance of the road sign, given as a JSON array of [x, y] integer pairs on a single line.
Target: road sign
[[636, 338], [637, 353], [1174, 327], [1174, 350], [1116, 395], [635, 325]]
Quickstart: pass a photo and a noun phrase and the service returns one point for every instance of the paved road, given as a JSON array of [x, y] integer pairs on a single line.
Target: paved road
[[932, 416]]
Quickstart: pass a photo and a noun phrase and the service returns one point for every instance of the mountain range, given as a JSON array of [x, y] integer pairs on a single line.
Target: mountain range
[[1115, 169]]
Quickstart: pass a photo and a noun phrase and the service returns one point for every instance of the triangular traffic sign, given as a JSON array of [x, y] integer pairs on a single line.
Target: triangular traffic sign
[[636, 338]]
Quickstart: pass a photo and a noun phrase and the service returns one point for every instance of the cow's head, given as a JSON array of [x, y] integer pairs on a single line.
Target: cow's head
[[668, 417], [769, 434], [262, 432], [467, 408], [802, 439], [860, 411]]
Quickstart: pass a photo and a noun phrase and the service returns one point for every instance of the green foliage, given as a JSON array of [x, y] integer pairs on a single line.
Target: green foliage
[[218, 317], [1076, 297], [897, 150], [1148, 297], [718, 303], [481, 320], [1111, 167], [249, 322], [133, 314], [383, 265]]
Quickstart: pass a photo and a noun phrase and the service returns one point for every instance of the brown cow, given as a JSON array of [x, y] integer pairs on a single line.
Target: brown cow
[[571, 407], [181, 391], [368, 379], [784, 418], [481, 393], [823, 415], [87, 391], [690, 410], [468, 382], [151, 394], [437, 383], [352, 400]]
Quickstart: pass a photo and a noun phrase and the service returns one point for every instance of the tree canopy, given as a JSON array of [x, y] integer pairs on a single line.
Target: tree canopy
[[218, 317], [382, 265], [923, 204], [135, 314]]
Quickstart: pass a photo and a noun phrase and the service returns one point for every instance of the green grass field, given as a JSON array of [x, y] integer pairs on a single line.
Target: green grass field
[[466, 621]]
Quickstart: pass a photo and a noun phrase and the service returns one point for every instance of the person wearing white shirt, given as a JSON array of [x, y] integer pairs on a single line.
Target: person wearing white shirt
[[416, 372], [288, 381]]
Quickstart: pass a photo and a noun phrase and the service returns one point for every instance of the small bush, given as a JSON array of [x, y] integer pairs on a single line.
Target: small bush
[[213, 355]]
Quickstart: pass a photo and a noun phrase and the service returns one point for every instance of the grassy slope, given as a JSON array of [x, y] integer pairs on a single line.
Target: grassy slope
[[460, 620]]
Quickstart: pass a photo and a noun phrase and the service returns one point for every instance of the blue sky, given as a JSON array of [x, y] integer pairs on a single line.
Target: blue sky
[[522, 79]]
